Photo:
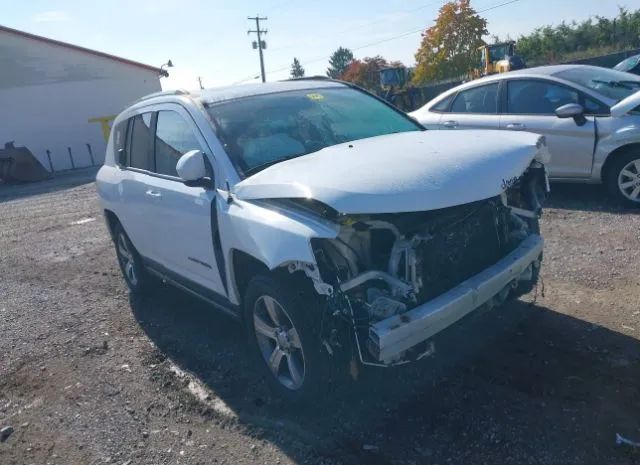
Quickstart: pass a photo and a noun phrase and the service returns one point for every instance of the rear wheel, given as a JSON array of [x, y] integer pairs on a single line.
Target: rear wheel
[[130, 262], [623, 179], [284, 333]]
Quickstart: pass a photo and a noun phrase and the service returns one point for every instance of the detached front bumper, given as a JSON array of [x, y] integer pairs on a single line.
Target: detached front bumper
[[390, 337]]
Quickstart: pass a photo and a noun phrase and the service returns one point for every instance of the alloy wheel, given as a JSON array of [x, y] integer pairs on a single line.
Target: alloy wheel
[[629, 181], [279, 342]]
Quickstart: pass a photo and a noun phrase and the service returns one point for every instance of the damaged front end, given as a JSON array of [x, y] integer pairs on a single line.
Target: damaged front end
[[394, 280]]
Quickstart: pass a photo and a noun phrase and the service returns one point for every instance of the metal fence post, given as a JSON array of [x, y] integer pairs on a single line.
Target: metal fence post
[[49, 158], [93, 162], [73, 165]]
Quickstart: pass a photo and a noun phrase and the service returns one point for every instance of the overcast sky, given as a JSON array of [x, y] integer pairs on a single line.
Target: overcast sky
[[208, 38]]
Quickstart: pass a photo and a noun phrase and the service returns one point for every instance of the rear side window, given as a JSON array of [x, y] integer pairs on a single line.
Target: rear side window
[[141, 142], [482, 99], [443, 105], [174, 137]]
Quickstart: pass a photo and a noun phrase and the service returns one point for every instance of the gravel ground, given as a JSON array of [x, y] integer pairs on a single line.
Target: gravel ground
[[90, 376]]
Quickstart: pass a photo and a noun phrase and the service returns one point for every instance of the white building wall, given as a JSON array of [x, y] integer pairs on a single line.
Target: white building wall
[[48, 94]]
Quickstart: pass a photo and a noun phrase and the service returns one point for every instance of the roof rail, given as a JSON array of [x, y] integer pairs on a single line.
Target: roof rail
[[164, 92], [310, 78]]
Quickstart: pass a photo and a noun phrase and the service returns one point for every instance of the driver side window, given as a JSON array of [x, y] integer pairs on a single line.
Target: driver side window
[[529, 97], [174, 137]]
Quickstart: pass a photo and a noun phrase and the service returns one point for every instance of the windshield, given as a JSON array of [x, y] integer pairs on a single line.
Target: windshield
[[612, 84], [628, 64], [262, 130]]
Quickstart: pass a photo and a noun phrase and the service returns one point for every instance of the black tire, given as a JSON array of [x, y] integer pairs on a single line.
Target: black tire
[[614, 177], [302, 310], [130, 262]]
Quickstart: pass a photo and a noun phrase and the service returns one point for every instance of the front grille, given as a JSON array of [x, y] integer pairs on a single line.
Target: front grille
[[469, 239]]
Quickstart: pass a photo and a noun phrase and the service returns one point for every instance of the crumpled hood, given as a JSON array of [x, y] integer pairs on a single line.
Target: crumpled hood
[[626, 105], [412, 171]]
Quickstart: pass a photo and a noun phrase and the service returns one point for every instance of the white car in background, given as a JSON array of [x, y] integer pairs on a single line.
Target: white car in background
[[589, 115]]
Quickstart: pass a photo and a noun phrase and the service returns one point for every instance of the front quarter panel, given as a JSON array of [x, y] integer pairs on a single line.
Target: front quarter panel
[[272, 236], [613, 134]]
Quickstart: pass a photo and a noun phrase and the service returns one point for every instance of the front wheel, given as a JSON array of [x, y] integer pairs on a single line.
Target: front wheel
[[130, 262], [623, 179], [284, 334]]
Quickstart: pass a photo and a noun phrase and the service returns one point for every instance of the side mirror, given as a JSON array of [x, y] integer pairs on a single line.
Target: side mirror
[[572, 110], [192, 169]]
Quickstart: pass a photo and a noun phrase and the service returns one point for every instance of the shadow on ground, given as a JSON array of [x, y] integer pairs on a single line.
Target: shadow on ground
[[522, 384], [60, 181], [585, 197]]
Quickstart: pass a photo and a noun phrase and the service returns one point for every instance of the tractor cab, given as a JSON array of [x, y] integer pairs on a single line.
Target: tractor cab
[[499, 58]]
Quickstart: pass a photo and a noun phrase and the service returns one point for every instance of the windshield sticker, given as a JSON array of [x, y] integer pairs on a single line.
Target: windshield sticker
[[315, 96]]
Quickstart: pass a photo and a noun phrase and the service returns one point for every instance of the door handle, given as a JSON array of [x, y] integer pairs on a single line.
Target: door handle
[[516, 126], [450, 124], [154, 194]]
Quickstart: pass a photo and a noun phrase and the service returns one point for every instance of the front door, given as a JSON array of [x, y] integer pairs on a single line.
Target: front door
[[182, 217], [531, 106]]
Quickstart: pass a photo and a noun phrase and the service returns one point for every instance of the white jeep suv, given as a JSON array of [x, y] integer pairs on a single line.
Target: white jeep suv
[[331, 224]]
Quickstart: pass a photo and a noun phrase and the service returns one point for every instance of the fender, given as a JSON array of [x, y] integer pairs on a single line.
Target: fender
[[626, 135], [272, 235]]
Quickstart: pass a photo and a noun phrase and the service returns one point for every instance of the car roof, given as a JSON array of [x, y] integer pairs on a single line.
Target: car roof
[[221, 94], [551, 70], [539, 71]]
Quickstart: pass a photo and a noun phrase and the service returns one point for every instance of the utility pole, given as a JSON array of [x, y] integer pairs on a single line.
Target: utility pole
[[259, 44], [200, 82]]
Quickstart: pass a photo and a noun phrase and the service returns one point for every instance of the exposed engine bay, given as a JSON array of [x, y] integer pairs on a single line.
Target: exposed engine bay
[[384, 265]]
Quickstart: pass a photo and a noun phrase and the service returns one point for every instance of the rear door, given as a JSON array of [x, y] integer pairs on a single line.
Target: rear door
[[430, 116], [473, 108], [133, 210], [530, 106], [183, 222]]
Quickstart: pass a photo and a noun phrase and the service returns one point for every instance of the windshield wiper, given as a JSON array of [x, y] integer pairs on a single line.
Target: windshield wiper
[[260, 167]]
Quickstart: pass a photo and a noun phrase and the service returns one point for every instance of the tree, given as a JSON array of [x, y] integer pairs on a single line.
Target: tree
[[450, 47], [297, 71], [365, 73], [338, 62], [592, 37]]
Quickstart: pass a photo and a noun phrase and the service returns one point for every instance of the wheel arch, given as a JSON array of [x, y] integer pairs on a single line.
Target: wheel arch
[[244, 267], [622, 150], [112, 220]]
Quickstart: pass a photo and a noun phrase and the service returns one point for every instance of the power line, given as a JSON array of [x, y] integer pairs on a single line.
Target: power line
[[388, 39], [369, 23], [414, 31], [498, 6], [376, 21], [259, 44]]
